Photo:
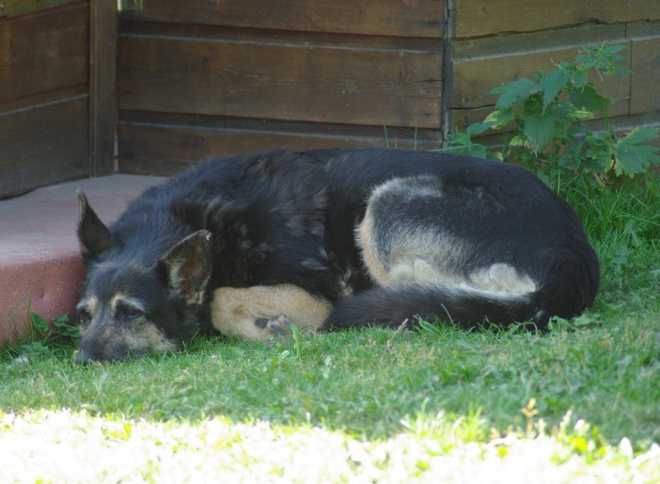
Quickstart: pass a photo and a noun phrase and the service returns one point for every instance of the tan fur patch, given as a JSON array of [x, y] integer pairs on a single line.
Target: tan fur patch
[[120, 298], [417, 271], [417, 254], [145, 337], [365, 241], [235, 310], [502, 277], [417, 257], [421, 255], [90, 303]]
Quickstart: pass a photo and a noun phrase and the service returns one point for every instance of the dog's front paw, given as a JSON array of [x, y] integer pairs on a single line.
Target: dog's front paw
[[279, 326]]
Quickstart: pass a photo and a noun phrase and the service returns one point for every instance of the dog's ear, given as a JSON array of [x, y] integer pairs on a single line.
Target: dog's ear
[[187, 267], [95, 238]]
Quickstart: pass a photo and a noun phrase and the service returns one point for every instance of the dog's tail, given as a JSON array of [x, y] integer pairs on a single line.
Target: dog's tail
[[461, 305]]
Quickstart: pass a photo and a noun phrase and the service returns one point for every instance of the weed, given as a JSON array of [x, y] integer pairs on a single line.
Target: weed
[[44, 339], [548, 115]]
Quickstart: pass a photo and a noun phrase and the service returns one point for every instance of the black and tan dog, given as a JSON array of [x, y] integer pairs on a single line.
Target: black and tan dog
[[328, 239]]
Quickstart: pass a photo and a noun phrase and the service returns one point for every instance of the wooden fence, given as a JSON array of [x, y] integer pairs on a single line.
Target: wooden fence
[[57, 104], [224, 77], [201, 78]]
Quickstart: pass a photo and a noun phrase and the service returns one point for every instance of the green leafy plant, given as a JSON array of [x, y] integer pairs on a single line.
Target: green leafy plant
[[548, 115], [43, 337]]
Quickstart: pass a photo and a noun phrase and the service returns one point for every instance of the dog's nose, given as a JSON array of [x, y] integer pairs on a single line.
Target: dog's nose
[[84, 356]]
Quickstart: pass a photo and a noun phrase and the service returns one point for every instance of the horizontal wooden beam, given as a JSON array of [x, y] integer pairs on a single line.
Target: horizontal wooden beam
[[332, 84], [16, 8], [417, 18]]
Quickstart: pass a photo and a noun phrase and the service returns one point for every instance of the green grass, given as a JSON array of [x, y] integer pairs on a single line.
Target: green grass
[[365, 382], [587, 385]]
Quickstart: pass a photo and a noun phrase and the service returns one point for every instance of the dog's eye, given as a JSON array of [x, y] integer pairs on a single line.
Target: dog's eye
[[84, 317], [128, 312]]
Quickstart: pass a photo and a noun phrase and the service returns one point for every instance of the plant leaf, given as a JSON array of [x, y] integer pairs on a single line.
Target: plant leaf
[[579, 78], [520, 141], [500, 118], [38, 323], [521, 88], [539, 128], [552, 84], [61, 321], [640, 134], [461, 144], [587, 98], [613, 49], [632, 157], [478, 128], [628, 162]]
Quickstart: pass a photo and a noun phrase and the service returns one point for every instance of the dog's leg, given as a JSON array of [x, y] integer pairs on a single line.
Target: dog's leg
[[256, 313]]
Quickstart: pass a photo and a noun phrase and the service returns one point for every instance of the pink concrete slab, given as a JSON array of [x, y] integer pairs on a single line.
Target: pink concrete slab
[[40, 266]]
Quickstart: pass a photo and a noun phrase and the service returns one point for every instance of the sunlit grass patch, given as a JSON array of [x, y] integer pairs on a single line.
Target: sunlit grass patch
[[70, 446]]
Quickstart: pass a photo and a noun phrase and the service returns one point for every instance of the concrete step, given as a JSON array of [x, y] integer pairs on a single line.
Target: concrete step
[[40, 265]]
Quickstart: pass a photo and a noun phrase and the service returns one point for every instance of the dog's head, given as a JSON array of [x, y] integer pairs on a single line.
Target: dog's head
[[131, 305]]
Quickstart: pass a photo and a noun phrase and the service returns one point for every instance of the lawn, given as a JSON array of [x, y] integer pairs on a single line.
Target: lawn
[[581, 401]]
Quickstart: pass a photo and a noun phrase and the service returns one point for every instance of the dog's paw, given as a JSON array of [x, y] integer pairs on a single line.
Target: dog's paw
[[279, 326]]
